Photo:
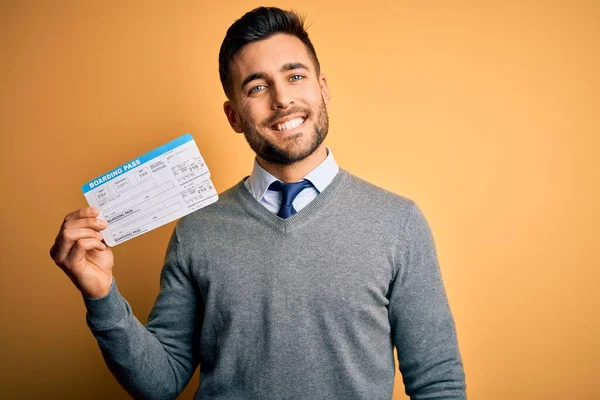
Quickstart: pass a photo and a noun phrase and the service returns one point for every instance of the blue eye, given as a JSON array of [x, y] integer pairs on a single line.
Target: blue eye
[[296, 77], [257, 88]]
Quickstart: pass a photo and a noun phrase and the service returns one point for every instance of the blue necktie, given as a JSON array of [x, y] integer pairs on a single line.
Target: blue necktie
[[289, 191]]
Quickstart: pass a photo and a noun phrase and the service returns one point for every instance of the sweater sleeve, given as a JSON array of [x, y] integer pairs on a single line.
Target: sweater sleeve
[[422, 324], [155, 361]]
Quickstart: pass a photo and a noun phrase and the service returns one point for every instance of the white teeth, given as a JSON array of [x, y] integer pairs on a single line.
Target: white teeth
[[291, 124]]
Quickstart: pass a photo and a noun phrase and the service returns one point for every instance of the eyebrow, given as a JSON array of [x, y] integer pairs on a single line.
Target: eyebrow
[[263, 75]]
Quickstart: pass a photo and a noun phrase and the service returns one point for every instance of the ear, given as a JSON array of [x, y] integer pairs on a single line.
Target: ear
[[325, 93], [232, 116]]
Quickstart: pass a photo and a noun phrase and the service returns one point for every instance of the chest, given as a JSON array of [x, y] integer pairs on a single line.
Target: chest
[[308, 272]]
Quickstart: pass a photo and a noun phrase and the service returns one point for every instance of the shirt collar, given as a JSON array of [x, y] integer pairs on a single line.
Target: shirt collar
[[260, 180]]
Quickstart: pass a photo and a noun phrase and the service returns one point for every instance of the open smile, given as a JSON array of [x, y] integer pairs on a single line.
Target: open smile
[[288, 124]]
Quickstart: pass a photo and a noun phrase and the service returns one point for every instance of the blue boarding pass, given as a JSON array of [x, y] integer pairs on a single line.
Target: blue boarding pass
[[152, 190]]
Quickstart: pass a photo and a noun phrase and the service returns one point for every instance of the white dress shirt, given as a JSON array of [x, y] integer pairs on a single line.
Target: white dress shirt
[[259, 181]]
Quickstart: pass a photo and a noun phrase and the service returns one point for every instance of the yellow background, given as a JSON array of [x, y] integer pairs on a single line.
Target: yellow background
[[484, 112]]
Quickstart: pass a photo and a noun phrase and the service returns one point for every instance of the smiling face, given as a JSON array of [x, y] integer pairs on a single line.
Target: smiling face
[[278, 101]]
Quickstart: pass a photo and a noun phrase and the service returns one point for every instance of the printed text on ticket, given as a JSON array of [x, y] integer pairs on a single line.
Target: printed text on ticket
[[151, 190]]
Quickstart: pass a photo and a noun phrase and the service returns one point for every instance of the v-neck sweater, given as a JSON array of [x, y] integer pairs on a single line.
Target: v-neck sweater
[[308, 307]]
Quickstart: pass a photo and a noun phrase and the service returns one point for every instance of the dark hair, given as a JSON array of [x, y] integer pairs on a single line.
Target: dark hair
[[259, 24]]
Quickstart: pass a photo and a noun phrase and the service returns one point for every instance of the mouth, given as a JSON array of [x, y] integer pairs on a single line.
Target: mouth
[[288, 124]]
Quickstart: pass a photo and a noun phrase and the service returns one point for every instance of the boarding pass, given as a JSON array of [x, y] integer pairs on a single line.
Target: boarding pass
[[151, 190]]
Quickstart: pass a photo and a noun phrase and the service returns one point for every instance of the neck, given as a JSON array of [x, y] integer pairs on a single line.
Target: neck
[[298, 170]]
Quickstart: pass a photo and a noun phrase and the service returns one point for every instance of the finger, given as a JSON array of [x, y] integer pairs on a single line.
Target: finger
[[68, 238], [83, 212], [53, 249], [81, 247], [93, 223]]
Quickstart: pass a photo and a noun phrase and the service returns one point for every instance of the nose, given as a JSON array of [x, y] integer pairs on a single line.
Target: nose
[[282, 97]]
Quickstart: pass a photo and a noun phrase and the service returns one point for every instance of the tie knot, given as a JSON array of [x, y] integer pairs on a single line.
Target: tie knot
[[289, 191]]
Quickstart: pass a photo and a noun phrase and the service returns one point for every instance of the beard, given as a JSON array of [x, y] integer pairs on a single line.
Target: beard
[[297, 150]]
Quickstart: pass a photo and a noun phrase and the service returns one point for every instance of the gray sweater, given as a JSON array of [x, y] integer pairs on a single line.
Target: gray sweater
[[309, 307]]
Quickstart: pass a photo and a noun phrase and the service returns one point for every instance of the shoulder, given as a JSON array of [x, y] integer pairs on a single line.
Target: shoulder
[[364, 194], [391, 217], [394, 214]]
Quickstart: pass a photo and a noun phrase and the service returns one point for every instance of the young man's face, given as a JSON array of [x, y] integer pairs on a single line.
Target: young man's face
[[278, 101]]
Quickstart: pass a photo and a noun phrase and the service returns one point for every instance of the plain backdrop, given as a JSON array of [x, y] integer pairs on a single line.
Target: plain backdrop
[[486, 113]]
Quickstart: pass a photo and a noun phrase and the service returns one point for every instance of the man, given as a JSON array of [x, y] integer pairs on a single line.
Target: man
[[299, 281]]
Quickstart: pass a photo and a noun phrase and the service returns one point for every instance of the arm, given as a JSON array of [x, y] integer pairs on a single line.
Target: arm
[[156, 361], [152, 362], [422, 324]]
